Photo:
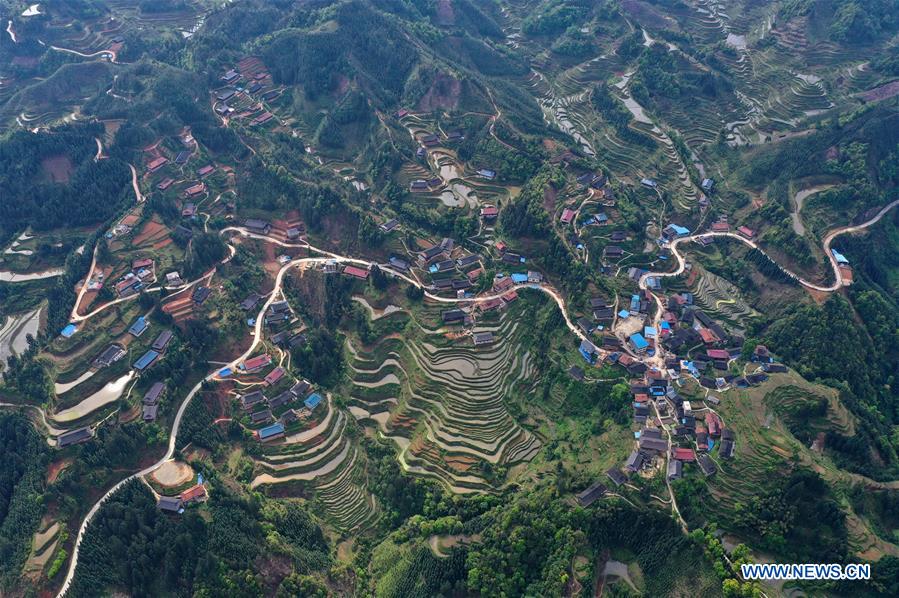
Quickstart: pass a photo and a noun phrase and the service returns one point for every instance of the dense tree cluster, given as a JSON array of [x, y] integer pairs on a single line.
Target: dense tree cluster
[[93, 192], [21, 489]]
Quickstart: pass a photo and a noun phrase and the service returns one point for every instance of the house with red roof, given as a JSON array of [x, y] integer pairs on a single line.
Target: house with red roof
[[257, 363], [746, 232], [356, 272], [567, 216], [194, 494], [157, 163], [683, 454], [275, 375]]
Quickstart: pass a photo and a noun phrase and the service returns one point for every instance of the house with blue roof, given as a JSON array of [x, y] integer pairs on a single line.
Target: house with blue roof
[[519, 278], [146, 360], [638, 343], [313, 401], [69, 330], [635, 303], [139, 326], [270, 432], [674, 231], [649, 332], [624, 314], [588, 351], [841, 259]]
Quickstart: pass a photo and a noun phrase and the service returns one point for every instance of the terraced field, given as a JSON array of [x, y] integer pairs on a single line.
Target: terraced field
[[443, 402], [722, 299], [324, 460]]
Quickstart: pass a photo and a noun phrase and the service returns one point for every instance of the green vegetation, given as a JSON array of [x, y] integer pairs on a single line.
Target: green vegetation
[[21, 492]]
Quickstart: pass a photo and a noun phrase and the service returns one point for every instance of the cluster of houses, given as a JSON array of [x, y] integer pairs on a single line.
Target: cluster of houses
[[142, 273], [176, 504], [247, 86], [262, 410], [155, 352]]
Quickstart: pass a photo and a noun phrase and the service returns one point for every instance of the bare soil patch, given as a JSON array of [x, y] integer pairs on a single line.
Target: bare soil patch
[[173, 473], [57, 168], [151, 230]]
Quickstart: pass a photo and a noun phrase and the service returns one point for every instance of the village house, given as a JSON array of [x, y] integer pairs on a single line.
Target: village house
[[634, 462], [587, 497], [149, 412], [674, 470], [301, 389], [616, 476], [269, 433], [139, 327], [109, 356], [482, 338], [195, 190], [390, 225], [356, 272], [257, 363], [74, 437], [157, 163], [707, 465], [274, 376], [195, 494], [257, 226], [258, 417], [169, 503], [162, 341], [251, 399], [146, 360], [612, 252], [746, 232], [489, 212]]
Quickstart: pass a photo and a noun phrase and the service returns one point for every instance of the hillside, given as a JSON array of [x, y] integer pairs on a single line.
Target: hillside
[[447, 297]]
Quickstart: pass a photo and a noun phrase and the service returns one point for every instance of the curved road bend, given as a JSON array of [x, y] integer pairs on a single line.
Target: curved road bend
[[828, 240]]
